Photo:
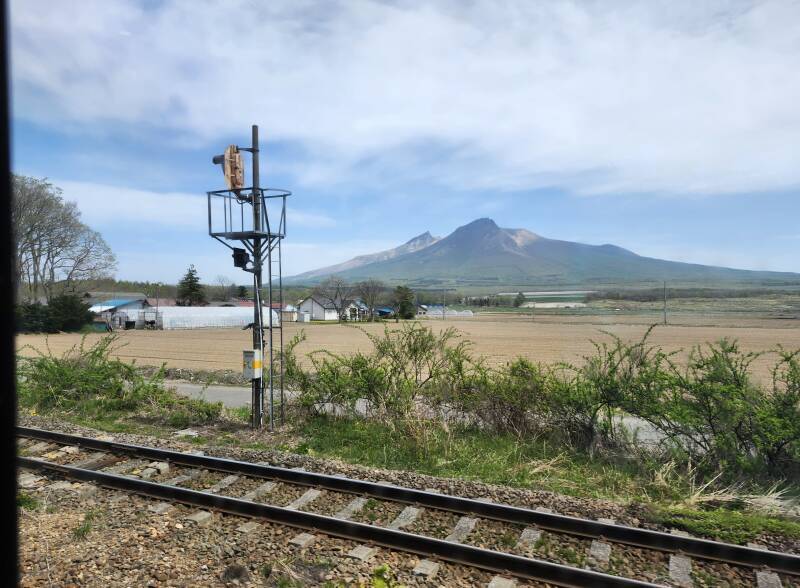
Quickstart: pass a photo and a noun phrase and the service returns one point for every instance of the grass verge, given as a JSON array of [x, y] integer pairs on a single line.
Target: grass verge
[[475, 455], [498, 459], [733, 526]]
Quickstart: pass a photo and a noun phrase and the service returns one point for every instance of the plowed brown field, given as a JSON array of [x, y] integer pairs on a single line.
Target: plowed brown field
[[497, 340]]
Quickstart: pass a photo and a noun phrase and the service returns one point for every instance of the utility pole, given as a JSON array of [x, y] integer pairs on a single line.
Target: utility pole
[[665, 302], [258, 315], [443, 303], [228, 221]]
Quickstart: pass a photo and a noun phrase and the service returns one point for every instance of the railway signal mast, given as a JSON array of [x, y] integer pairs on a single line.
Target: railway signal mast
[[255, 217]]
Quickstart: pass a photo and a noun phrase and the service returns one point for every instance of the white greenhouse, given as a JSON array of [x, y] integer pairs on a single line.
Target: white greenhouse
[[198, 317], [433, 311]]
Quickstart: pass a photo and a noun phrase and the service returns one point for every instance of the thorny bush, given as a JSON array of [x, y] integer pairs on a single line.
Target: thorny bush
[[708, 414]]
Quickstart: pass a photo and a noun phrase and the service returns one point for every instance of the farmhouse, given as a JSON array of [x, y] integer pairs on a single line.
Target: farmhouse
[[121, 313], [117, 304], [320, 308], [356, 310]]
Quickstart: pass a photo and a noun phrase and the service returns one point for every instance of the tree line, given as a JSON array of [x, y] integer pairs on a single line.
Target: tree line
[[55, 250]]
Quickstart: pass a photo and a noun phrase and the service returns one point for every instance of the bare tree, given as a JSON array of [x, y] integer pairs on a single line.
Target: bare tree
[[54, 249], [336, 291], [227, 289], [369, 291]]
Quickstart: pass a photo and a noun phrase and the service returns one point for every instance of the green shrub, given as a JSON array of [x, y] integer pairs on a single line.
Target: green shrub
[[511, 399], [406, 364], [67, 312], [778, 434], [89, 382], [83, 376], [714, 413], [712, 417], [183, 412]]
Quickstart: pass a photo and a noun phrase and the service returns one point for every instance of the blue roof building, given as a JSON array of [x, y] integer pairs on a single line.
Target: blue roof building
[[117, 304]]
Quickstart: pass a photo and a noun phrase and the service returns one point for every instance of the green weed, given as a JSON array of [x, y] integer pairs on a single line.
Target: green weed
[[28, 502], [731, 526]]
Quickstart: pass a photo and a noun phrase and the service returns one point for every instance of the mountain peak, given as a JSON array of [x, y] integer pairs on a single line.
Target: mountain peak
[[482, 222], [478, 226], [424, 239]]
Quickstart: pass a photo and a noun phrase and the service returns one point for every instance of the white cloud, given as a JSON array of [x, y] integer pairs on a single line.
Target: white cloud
[[102, 205], [596, 97]]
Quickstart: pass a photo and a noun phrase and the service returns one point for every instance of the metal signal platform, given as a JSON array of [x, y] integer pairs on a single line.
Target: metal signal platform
[[256, 218]]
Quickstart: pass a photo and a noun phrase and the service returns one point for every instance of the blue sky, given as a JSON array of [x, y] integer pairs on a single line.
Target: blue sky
[[669, 130]]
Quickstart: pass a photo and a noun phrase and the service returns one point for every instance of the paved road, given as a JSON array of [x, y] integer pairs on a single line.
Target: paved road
[[230, 396]]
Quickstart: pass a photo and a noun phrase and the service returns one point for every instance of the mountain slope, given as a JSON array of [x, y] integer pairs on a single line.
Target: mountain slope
[[415, 244], [481, 253]]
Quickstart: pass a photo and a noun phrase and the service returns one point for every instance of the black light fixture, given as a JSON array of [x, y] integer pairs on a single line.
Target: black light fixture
[[240, 257]]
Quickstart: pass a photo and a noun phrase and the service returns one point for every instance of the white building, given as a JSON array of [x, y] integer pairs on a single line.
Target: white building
[[119, 304], [323, 309], [185, 317], [318, 310]]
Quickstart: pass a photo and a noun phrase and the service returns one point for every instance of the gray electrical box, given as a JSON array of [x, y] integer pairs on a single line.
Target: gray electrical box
[[251, 364]]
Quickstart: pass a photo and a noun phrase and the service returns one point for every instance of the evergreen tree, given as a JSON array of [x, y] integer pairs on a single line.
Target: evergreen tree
[[69, 312], [66, 312], [241, 292], [34, 317], [190, 291], [404, 306], [519, 300]]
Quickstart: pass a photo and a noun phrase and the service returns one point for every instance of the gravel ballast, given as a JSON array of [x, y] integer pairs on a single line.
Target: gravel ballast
[[108, 538]]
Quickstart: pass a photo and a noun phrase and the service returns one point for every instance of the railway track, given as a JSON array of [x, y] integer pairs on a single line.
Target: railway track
[[107, 462]]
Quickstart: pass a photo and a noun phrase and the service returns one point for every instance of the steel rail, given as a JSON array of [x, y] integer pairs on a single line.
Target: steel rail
[[459, 553], [633, 536]]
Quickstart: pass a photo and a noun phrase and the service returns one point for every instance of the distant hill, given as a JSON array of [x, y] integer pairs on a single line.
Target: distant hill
[[483, 254]]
